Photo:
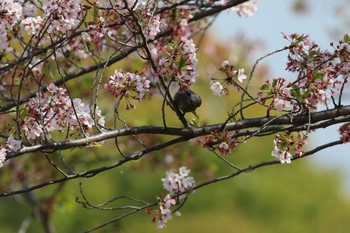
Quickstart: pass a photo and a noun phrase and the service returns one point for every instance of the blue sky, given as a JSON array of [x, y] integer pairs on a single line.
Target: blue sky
[[274, 17]]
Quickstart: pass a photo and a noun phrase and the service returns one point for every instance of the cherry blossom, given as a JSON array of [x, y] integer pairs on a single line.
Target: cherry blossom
[[220, 87], [2, 156], [119, 4], [246, 9], [178, 183], [283, 156], [175, 183], [63, 14], [153, 27], [11, 13], [178, 61], [55, 111], [287, 142], [165, 211], [224, 141], [224, 148], [319, 73], [344, 131], [32, 25], [282, 104], [127, 84], [241, 75], [13, 144], [217, 88]]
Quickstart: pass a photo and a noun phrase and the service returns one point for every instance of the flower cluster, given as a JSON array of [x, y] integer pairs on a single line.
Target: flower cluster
[[32, 25], [319, 73], [10, 14], [224, 141], [178, 62], [165, 212], [119, 4], [178, 182], [54, 110], [153, 27], [126, 84], [344, 131], [286, 143], [245, 9], [63, 14], [220, 88], [281, 92], [11, 145], [175, 183]]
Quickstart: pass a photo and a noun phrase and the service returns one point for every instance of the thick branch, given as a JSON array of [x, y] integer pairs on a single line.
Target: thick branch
[[295, 123]]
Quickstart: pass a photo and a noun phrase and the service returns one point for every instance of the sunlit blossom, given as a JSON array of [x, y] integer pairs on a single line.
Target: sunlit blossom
[[13, 144], [2, 156], [241, 75], [217, 88]]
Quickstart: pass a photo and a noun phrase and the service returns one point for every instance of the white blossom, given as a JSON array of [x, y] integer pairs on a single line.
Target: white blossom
[[283, 156], [246, 9], [2, 156], [217, 88], [178, 183], [241, 75], [282, 105], [13, 144]]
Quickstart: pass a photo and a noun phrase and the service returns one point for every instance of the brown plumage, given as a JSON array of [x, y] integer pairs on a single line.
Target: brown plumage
[[187, 101]]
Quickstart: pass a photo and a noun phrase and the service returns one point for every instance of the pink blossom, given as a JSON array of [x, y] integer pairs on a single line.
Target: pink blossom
[[13, 144], [241, 75], [178, 183], [283, 156], [184, 171], [246, 9], [32, 25], [287, 142], [165, 211], [344, 131], [153, 27], [225, 64], [119, 4], [217, 88], [224, 148], [29, 10], [64, 14], [4, 44], [2, 156], [11, 13], [122, 82], [53, 111], [32, 129], [282, 105]]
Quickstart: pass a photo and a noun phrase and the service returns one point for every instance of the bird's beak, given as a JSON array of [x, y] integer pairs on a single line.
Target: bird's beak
[[195, 114]]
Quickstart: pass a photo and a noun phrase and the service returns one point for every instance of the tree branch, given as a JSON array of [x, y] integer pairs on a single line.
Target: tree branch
[[291, 123]]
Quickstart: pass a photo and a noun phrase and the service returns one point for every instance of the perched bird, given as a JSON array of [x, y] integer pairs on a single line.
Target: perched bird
[[187, 101]]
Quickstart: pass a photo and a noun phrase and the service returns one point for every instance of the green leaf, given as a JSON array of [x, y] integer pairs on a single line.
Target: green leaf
[[182, 62], [296, 91], [319, 75], [266, 88], [274, 83], [306, 94]]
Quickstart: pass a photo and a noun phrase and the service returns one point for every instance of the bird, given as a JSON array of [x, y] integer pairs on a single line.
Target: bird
[[187, 101]]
